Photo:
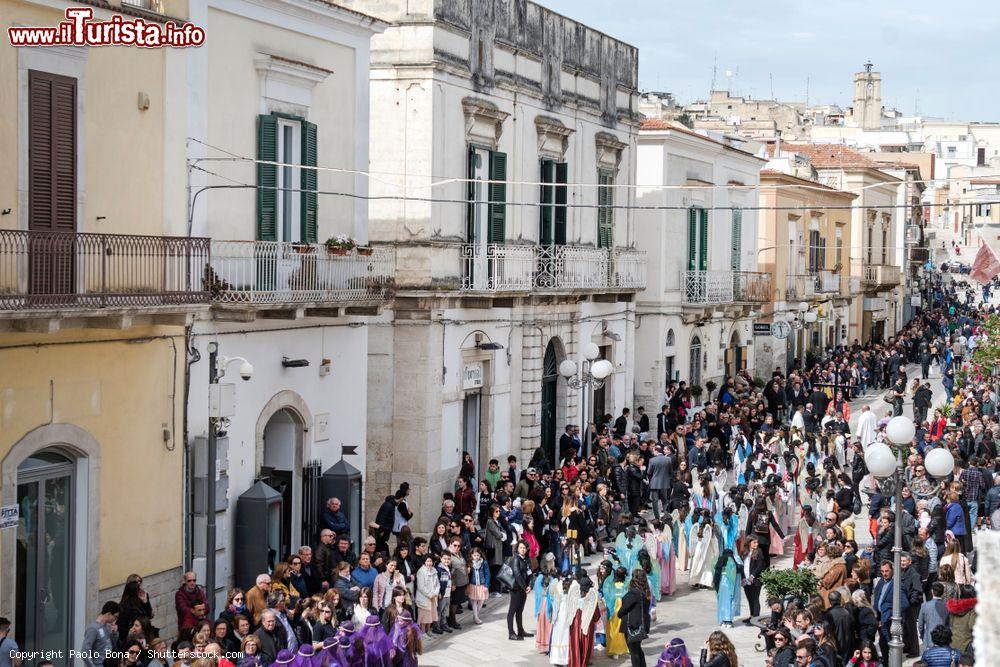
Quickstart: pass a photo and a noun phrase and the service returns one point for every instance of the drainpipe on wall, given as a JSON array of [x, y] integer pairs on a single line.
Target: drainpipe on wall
[[193, 357]]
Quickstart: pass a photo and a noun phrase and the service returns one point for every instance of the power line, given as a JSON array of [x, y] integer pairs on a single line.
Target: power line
[[376, 176], [236, 185]]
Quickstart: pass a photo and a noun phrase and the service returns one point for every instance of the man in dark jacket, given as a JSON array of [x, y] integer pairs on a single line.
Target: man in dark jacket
[[882, 603], [382, 526], [912, 588], [334, 518], [190, 602], [922, 399], [621, 424], [843, 627], [270, 636], [322, 555]]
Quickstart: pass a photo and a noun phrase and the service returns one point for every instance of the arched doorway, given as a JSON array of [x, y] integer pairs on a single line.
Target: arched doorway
[[694, 370], [281, 468], [45, 554], [550, 387], [734, 356]]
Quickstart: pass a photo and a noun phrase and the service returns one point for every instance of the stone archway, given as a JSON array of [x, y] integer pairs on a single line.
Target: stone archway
[[289, 407], [84, 451]]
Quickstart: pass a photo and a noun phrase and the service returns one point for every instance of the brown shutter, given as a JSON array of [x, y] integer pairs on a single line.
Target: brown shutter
[[51, 152]]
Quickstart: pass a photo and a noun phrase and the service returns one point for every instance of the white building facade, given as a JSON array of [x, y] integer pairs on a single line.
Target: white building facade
[[284, 83], [694, 320], [511, 131]]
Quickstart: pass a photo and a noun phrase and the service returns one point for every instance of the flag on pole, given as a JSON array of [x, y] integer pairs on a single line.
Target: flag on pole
[[986, 266]]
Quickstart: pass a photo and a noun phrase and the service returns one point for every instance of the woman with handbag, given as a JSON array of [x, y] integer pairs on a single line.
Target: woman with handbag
[[634, 615], [517, 573]]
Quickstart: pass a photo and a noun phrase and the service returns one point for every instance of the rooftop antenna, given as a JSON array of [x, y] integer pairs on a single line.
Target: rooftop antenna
[[868, 66], [770, 78], [916, 103], [807, 92], [715, 62]]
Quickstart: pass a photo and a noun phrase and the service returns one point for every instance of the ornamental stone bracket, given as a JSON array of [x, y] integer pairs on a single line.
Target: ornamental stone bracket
[[609, 150], [553, 137], [483, 122]]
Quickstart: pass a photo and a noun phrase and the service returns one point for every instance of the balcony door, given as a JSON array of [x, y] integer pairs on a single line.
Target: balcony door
[[487, 217], [551, 221], [51, 187]]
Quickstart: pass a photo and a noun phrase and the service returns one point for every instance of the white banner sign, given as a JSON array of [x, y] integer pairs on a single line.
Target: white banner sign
[[472, 375], [9, 515]]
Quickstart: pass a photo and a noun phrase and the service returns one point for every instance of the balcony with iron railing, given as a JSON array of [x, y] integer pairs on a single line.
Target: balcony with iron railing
[[724, 287], [70, 274], [510, 268], [275, 274], [815, 283], [879, 275]]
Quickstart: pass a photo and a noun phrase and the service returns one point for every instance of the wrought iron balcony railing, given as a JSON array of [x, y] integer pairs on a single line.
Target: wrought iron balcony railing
[[880, 275], [721, 287], [498, 267], [269, 272], [800, 286], [827, 281], [42, 270]]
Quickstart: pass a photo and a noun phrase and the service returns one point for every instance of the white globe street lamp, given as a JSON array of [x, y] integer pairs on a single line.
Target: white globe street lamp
[[939, 462], [591, 351], [810, 317], [900, 430], [602, 368], [880, 460], [567, 368]]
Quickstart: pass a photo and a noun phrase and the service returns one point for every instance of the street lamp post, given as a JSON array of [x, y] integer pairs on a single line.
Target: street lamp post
[[886, 462], [216, 420], [595, 372]]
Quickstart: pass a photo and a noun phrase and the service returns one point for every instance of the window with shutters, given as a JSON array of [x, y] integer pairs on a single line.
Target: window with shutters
[[697, 239], [736, 251], [51, 152], [552, 209], [286, 199], [487, 195], [605, 208]]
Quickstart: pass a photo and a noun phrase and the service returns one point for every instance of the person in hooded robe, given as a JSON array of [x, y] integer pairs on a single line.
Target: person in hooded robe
[[728, 522], [651, 567], [356, 655], [676, 652], [682, 538], [407, 642], [543, 592], [704, 551], [285, 658], [583, 629], [665, 555], [344, 654], [727, 581], [376, 644], [563, 613], [805, 534], [867, 425], [741, 454], [614, 591], [304, 656], [628, 544], [325, 656]]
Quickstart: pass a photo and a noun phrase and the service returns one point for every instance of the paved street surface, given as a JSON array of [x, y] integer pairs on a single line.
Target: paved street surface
[[689, 613]]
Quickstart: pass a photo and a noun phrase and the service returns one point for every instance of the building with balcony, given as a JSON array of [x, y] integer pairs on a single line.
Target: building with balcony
[[286, 85], [98, 280], [504, 138], [804, 244], [877, 233], [694, 320]]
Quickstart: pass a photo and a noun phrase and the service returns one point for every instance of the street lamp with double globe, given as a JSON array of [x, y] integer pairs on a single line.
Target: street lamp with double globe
[[595, 372], [885, 461]]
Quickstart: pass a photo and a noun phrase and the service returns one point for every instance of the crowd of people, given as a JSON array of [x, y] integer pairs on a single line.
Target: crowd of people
[[705, 494]]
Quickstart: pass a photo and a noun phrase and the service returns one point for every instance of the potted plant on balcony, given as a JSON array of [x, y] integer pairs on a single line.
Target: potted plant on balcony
[[365, 250], [302, 248], [340, 244]]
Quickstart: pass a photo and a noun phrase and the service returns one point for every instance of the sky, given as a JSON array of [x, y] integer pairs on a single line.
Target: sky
[[940, 58]]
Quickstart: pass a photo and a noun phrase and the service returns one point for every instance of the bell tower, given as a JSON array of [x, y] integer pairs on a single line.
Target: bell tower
[[868, 99]]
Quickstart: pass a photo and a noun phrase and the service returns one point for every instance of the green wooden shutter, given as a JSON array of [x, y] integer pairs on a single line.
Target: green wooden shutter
[[737, 239], [703, 251], [308, 201], [267, 178], [605, 212], [470, 195], [562, 177], [692, 238], [545, 211], [498, 198]]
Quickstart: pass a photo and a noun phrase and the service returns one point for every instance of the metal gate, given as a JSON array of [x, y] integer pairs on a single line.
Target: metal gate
[[311, 507]]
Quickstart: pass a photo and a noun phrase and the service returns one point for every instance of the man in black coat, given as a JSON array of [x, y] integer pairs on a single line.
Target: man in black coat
[[912, 588], [843, 627], [382, 525], [661, 479], [621, 424]]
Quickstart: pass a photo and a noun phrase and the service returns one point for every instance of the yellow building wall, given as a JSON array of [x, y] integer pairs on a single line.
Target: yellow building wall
[[122, 146], [124, 393]]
